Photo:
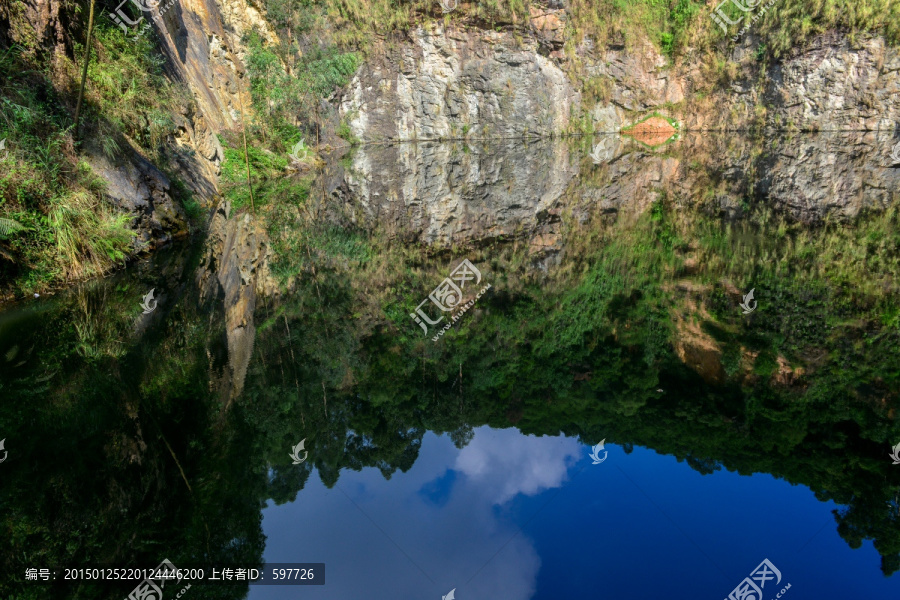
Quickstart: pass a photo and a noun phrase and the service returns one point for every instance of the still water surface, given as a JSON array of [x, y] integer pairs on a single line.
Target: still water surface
[[613, 316], [515, 516]]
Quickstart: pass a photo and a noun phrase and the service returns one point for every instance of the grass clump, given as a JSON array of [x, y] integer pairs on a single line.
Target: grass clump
[[288, 101], [54, 224], [289, 83], [67, 230], [789, 23], [673, 25], [88, 236], [665, 23], [128, 93], [272, 182]]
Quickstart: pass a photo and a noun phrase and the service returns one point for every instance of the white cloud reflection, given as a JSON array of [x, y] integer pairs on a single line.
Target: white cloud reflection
[[442, 513], [509, 463]]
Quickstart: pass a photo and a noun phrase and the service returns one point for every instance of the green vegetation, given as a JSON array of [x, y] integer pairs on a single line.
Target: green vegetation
[[8, 227], [288, 83], [596, 90], [67, 230], [811, 382], [267, 171], [285, 99], [665, 23], [122, 480], [676, 24], [788, 23], [670, 24], [58, 227], [128, 94]]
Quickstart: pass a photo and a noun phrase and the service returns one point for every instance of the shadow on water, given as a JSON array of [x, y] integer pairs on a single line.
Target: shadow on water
[[617, 271]]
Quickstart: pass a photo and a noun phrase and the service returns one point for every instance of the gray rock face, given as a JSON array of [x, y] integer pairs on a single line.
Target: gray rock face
[[829, 84], [199, 167], [138, 188], [474, 83], [45, 29], [639, 78], [832, 175], [836, 85], [202, 40], [445, 194], [448, 83]]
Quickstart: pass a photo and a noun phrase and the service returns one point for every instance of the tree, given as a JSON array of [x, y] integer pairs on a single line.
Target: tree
[[84, 71]]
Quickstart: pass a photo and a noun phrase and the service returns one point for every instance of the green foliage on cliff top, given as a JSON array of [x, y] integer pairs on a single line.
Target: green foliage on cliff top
[[677, 24], [672, 25]]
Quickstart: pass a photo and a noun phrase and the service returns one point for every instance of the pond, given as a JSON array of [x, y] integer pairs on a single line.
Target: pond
[[549, 369]]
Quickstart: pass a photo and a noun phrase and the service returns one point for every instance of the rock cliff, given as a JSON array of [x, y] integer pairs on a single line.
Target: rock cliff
[[445, 193], [445, 82], [136, 187], [830, 84], [448, 83]]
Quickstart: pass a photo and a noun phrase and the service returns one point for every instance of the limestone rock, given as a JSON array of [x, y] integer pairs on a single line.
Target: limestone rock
[[453, 84], [831, 175], [549, 25], [834, 84], [459, 193]]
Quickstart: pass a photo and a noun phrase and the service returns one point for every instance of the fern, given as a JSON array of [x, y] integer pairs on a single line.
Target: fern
[[8, 227]]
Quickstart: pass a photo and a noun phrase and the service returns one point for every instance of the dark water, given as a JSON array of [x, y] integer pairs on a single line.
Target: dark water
[[613, 316]]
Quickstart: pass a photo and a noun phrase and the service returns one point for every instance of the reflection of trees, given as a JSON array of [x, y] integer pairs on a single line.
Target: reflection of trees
[[584, 351], [118, 457], [337, 361]]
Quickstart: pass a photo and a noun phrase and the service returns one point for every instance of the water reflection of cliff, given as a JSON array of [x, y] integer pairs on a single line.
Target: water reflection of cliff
[[440, 193], [178, 427], [469, 192]]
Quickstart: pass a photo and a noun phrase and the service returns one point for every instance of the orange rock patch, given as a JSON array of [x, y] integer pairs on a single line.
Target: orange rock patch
[[653, 132]]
